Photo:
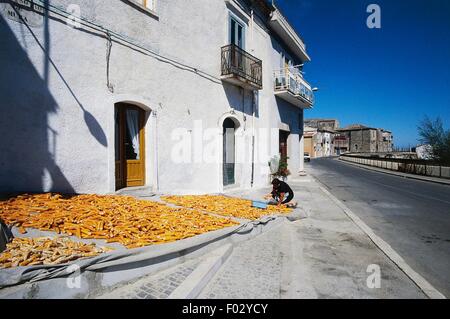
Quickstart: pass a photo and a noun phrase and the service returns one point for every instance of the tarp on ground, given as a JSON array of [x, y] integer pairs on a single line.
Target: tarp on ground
[[125, 259]]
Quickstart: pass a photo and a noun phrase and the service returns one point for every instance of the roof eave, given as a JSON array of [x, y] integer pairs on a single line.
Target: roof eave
[[288, 35]]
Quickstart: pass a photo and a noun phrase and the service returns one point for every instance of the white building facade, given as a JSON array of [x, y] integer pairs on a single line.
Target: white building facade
[[178, 96]]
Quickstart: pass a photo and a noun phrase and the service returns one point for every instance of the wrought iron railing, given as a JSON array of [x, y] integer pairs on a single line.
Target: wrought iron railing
[[238, 62], [292, 81]]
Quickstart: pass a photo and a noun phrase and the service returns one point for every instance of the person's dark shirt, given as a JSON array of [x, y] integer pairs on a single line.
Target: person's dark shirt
[[283, 188]]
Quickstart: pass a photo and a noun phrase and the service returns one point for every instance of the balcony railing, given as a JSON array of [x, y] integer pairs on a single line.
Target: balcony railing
[[291, 81], [239, 65]]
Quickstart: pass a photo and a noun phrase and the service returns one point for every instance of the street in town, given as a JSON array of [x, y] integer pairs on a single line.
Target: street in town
[[411, 215], [314, 257], [142, 137]]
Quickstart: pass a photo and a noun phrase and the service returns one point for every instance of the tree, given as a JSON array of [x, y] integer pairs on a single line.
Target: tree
[[432, 132]]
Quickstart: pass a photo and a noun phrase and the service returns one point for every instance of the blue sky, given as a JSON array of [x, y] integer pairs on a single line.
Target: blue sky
[[390, 77]]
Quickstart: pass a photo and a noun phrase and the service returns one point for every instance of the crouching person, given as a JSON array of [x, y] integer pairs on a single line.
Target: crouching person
[[282, 194]]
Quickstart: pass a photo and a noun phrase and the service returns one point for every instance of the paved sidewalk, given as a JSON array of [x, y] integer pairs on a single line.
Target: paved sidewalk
[[323, 256], [253, 270]]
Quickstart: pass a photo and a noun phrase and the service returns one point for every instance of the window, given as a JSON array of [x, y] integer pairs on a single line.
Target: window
[[148, 4], [237, 33]]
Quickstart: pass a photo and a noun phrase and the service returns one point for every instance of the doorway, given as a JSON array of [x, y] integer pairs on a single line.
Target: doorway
[[284, 135], [229, 152], [129, 146]]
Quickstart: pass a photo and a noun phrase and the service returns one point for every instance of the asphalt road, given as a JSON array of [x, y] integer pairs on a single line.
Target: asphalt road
[[412, 216]]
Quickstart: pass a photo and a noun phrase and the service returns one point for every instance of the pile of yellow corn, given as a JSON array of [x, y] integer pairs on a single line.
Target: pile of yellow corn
[[225, 206], [126, 220], [45, 251]]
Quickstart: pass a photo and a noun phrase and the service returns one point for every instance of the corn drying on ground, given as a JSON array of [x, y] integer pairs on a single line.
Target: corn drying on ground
[[45, 251], [125, 220], [226, 206]]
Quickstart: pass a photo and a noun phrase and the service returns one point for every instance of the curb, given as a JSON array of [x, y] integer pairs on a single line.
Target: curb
[[420, 281], [404, 175], [193, 285]]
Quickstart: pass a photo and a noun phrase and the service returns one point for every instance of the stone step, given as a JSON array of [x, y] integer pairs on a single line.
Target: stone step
[[183, 281]]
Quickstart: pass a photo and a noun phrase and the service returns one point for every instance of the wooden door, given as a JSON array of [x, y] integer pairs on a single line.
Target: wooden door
[[130, 146]]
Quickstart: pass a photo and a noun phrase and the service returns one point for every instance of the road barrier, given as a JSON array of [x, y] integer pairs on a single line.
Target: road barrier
[[411, 166]]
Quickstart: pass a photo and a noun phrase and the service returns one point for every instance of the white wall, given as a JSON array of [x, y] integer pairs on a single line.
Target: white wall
[[58, 117]]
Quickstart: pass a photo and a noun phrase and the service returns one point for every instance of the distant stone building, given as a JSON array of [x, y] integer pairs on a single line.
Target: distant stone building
[[363, 139], [309, 141], [424, 151], [341, 143], [318, 142], [319, 136], [386, 144], [323, 124], [323, 137]]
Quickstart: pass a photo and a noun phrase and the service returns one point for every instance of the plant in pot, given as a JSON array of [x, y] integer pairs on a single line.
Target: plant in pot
[[283, 171]]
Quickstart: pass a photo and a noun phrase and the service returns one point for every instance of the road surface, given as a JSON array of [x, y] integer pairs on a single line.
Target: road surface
[[412, 216]]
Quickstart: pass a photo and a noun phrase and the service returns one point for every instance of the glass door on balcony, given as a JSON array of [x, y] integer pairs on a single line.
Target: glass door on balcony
[[237, 34]]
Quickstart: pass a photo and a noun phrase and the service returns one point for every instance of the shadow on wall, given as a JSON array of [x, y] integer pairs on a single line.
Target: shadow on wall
[[25, 157], [241, 100], [291, 115], [26, 160]]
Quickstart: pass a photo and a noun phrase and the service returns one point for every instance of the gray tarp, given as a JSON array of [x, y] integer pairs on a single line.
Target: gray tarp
[[126, 259]]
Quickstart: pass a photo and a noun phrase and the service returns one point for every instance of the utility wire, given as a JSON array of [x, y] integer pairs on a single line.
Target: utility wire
[[110, 34]]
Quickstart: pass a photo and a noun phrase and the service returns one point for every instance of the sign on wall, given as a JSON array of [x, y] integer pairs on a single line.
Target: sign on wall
[[23, 11]]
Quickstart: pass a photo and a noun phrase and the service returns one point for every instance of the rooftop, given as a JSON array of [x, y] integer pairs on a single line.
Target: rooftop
[[287, 33], [356, 127]]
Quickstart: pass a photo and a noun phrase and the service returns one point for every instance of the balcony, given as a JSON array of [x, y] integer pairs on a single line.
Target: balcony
[[241, 68], [291, 87]]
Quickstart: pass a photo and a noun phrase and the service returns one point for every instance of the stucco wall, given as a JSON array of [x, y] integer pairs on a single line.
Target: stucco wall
[[363, 141], [58, 112]]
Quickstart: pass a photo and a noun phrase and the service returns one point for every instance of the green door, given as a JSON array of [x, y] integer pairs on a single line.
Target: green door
[[229, 150]]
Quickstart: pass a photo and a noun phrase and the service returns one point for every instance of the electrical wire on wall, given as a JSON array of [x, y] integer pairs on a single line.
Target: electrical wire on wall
[[108, 59], [123, 39]]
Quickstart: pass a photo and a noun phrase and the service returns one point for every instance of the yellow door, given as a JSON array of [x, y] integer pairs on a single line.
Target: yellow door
[[130, 146]]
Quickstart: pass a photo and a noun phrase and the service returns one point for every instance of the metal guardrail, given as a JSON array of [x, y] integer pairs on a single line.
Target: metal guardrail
[[391, 159], [411, 166], [236, 61]]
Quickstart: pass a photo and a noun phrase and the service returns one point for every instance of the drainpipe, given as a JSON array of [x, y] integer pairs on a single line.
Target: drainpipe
[[156, 158], [251, 31], [253, 103], [253, 136]]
